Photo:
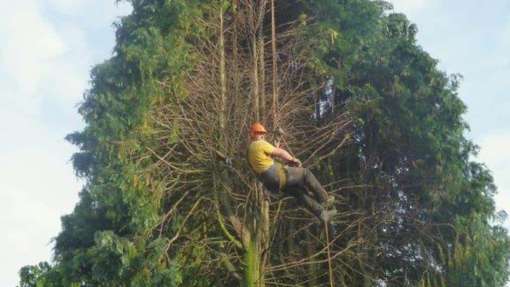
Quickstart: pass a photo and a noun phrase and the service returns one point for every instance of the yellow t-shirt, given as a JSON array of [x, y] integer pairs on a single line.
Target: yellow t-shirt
[[259, 155]]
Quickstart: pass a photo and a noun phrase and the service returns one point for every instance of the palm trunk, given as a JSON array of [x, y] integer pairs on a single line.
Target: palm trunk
[[275, 67], [253, 274], [255, 63], [257, 249], [261, 57], [223, 78]]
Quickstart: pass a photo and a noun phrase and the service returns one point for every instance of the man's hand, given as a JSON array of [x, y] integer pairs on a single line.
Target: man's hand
[[295, 163]]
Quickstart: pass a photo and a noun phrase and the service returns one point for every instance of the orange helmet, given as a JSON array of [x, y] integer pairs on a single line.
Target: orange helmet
[[257, 128]]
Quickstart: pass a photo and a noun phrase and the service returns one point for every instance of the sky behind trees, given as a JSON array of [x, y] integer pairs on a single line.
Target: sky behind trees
[[472, 38], [50, 46]]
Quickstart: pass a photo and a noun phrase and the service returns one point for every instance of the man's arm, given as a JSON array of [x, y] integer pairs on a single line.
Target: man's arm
[[284, 155]]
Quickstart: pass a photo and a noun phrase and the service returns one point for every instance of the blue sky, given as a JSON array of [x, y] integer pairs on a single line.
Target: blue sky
[[49, 46]]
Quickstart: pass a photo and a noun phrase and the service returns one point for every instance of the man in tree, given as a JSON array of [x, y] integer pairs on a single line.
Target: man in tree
[[290, 178]]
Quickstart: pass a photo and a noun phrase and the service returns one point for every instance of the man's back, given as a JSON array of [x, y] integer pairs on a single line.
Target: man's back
[[259, 155]]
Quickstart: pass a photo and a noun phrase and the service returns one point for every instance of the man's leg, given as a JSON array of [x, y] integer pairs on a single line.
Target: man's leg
[[298, 177], [271, 179], [299, 181], [306, 201]]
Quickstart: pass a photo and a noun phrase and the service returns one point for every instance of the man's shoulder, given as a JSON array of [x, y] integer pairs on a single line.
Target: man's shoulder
[[259, 144]]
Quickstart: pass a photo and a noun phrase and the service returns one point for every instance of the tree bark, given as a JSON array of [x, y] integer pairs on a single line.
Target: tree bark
[[274, 66]]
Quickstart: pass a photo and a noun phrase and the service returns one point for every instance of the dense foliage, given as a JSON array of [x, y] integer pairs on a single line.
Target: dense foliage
[[415, 209]]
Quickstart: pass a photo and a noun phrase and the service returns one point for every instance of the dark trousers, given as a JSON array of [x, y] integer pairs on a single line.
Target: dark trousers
[[298, 182]]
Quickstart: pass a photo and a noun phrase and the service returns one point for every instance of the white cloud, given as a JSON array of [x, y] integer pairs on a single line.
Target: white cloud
[[36, 188], [67, 6], [409, 5], [99, 10], [45, 60], [30, 44], [505, 40], [495, 153]]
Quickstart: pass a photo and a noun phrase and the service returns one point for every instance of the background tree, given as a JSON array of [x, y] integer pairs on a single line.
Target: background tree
[[344, 85]]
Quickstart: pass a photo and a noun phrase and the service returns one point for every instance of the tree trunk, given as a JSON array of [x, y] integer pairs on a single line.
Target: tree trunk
[[257, 250], [262, 60], [255, 63], [223, 78], [254, 276], [275, 67]]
